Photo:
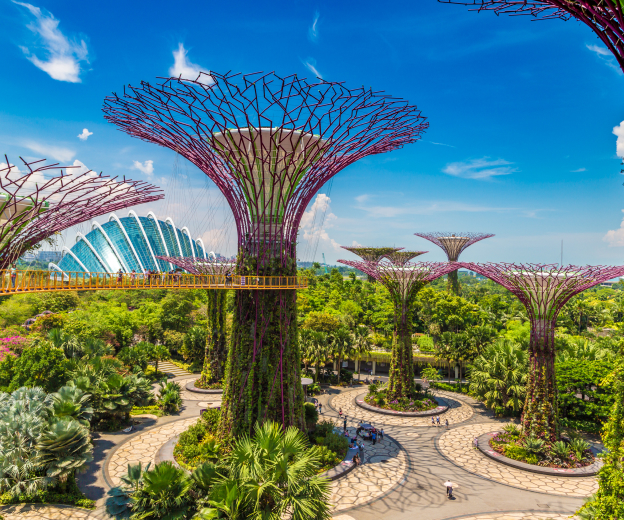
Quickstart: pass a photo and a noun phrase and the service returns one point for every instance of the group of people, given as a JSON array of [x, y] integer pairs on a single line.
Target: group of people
[[151, 277], [435, 421]]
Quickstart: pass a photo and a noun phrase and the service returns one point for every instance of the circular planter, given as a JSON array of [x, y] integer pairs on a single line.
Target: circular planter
[[359, 401], [483, 444], [192, 388]]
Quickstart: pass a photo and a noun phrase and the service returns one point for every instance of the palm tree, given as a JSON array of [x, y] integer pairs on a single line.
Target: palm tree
[[318, 352], [342, 346], [362, 346], [272, 476], [499, 375], [305, 344], [64, 449]]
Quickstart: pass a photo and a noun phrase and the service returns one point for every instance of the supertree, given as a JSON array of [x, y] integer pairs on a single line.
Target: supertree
[[269, 144], [543, 289], [371, 254], [453, 245], [34, 205], [215, 355], [604, 17], [403, 279]]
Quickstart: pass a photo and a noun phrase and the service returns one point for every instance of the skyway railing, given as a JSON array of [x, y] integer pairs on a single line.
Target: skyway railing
[[16, 281]]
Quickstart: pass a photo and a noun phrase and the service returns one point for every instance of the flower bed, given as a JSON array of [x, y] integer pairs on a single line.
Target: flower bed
[[331, 446], [419, 402], [564, 454], [198, 444]]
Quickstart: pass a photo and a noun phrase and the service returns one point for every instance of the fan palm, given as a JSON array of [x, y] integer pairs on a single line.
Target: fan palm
[[318, 352], [499, 375], [64, 449], [362, 345], [342, 346]]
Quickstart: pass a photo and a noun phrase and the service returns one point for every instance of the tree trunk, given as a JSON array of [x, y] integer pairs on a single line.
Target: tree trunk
[[540, 414], [401, 380], [263, 373], [216, 347], [452, 284]]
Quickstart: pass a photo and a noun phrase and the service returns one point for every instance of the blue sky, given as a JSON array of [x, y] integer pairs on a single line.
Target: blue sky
[[521, 115]]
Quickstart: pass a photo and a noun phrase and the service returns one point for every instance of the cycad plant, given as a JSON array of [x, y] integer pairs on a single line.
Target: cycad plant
[[64, 449], [561, 450]]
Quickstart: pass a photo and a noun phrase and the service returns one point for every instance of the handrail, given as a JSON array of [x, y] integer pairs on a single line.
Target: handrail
[[20, 281]]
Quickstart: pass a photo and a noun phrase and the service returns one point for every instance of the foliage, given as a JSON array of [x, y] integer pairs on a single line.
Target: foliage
[[414, 403], [169, 399], [430, 373], [194, 344], [39, 365], [72, 497]]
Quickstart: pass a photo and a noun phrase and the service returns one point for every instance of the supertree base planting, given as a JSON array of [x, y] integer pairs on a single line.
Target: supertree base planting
[[269, 143]]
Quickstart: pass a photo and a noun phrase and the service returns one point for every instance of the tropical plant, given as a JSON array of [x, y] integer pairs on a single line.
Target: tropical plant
[[342, 346], [579, 446], [430, 373], [362, 345], [561, 450], [71, 401], [158, 353], [119, 498], [64, 449], [169, 399], [512, 429], [534, 445], [499, 375], [67, 342]]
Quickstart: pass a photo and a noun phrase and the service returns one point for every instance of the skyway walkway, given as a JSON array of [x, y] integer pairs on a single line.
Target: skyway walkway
[[44, 281]]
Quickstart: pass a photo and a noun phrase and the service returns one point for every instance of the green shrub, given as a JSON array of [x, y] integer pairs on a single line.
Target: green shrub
[[311, 414], [327, 458], [39, 365], [210, 418], [324, 428], [513, 451]]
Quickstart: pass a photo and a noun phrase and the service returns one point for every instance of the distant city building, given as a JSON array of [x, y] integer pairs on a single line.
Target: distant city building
[[130, 243], [48, 256]]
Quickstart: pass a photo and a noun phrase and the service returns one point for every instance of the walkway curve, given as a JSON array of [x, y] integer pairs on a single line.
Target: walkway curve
[[517, 515], [459, 411], [44, 512], [457, 446]]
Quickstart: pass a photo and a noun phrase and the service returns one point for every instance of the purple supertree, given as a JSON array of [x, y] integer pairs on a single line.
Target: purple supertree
[[453, 245], [215, 354], [403, 279], [269, 144], [604, 17], [543, 289], [371, 254], [46, 199]]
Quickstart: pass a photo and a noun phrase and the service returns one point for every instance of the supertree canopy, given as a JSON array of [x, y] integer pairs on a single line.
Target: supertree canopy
[[371, 254], [453, 244], [403, 279], [215, 355], [604, 17], [543, 289], [269, 144], [41, 200]]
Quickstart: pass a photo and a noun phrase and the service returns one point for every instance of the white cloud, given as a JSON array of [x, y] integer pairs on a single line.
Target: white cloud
[[355, 243], [310, 64], [362, 198], [615, 237], [183, 68], [429, 208], [579, 170], [313, 31], [605, 56], [62, 56], [49, 151], [84, 135], [440, 144], [619, 144], [313, 225], [146, 167], [483, 168], [81, 168]]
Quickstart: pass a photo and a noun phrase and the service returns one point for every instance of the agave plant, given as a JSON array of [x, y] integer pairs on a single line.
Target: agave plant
[[561, 450], [64, 449], [70, 401], [164, 494], [512, 429], [579, 447], [534, 445]]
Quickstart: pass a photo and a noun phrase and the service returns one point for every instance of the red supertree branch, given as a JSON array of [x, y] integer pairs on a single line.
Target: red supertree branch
[[268, 143], [453, 244], [198, 266], [604, 17], [35, 206]]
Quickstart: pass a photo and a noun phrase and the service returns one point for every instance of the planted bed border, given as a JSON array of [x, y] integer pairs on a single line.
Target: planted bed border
[[359, 401], [483, 444], [192, 388]]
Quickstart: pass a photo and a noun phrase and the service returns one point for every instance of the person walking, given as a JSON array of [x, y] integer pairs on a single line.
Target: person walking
[[449, 489], [432, 420], [438, 421], [446, 424], [321, 408], [374, 437], [133, 278], [345, 423], [13, 275], [120, 277], [340, 412], [381, 434], [360, 445]]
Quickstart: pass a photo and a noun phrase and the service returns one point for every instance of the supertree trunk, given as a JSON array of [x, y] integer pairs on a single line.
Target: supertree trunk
[[216, 346], [263, 376], [453, 285], [540, 414], [401, 380]]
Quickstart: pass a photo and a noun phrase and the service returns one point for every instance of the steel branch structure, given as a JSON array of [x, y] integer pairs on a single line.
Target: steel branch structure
[[543, 289], [44, 200], [453, 245], [371, 254], [604, 17], [269, 143], [403, 279], [199, 266]]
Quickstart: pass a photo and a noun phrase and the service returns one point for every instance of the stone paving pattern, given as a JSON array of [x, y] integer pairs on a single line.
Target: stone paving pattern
[[457, 446], [518, 515], [36, 512], [143, 448], [384, 466], [196, 396], [458, 412]]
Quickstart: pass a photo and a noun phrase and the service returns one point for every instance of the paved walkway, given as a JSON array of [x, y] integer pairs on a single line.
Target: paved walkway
[[43, 512], [459, 411], [457, 446], [172, 370], [518, 515]]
